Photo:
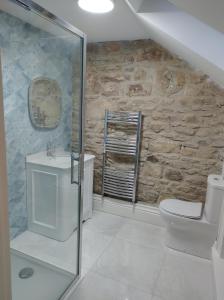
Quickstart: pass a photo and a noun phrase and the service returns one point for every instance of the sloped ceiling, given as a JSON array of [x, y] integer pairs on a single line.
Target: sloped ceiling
[[195, 41], [208, 11]]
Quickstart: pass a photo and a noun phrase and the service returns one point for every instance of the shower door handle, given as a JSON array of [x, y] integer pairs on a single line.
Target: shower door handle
[[75, 158]]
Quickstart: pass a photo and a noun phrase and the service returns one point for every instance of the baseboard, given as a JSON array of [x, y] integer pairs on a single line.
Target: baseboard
[[218, 269], [139, 211]]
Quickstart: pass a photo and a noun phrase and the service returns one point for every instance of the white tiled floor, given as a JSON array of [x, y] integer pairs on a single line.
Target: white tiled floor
[[93, 245], [127, 260], [136, 265], [105, 223], [130, 264], [94, 286], [142, 234], [184, 277]]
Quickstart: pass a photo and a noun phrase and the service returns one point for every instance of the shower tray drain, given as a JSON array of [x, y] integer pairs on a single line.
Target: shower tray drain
[[26, 273]]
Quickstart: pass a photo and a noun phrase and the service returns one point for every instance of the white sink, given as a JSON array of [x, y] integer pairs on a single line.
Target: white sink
[[61, 160]]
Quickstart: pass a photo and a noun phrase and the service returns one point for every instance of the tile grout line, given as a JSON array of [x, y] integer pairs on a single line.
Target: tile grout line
[[125, 284], [122, 283], [130, 242], [158, 275], [102, 253], [89, 270], [99, 274]]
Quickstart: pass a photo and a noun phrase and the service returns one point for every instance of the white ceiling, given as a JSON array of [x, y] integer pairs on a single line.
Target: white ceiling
[[120, 24]]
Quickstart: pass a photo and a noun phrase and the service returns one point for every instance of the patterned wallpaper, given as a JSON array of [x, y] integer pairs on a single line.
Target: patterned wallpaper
[[28, 53]]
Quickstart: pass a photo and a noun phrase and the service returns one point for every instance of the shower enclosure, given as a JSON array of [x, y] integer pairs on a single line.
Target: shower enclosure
[[43, 63]]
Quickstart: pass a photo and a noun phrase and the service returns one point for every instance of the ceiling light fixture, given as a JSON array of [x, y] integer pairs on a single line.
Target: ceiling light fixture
[[96, 6]]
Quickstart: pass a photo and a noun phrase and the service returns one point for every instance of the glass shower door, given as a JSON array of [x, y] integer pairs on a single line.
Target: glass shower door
[[42, 68]]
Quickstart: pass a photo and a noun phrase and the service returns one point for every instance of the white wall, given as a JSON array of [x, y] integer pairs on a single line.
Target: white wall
[[209, 11]]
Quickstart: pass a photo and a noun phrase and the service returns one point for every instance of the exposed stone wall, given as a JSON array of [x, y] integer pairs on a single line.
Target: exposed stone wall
[[183, 125]]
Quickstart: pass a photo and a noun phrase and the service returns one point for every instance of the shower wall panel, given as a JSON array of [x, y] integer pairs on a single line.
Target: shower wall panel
[[28, 53]]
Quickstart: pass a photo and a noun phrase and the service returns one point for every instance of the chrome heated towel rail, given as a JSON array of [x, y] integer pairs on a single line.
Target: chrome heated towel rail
[[116, 181]]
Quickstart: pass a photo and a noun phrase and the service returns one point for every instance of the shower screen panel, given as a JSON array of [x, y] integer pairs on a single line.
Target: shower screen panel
[[45, 165]]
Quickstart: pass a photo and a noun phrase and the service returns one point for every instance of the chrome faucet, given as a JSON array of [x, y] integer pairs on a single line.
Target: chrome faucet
[[50, 149]]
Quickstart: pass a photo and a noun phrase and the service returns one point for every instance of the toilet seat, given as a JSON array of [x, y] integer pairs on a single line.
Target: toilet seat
[[186, 209]]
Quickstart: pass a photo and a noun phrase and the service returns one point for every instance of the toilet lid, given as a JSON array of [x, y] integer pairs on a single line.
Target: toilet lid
[[192, 210]]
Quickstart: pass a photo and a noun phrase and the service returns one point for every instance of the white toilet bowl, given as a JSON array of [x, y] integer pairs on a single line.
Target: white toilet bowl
[[192, 236], [190, 228]]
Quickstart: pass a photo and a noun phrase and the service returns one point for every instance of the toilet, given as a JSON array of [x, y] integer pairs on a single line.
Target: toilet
[[191, 226]]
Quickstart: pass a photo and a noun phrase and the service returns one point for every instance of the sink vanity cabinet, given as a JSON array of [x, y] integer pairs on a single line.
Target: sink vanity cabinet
[[52, 200]]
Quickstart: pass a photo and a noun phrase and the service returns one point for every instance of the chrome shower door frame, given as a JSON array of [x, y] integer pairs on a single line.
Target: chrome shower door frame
[[5, 279], [42, 12]]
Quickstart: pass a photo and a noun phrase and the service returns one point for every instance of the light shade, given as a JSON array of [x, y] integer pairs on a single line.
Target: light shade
[[96, 6]]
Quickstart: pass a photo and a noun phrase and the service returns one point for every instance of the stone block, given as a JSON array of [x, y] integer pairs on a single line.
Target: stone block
[[152, 158], [173, 175], [164, 147], [139, 89], [171, 81]]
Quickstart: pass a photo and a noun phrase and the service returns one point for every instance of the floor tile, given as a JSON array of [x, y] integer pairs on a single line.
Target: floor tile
[[130, 264], [105, 223], [185, 277], [93, 245], [96, 287], [142, 234]]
